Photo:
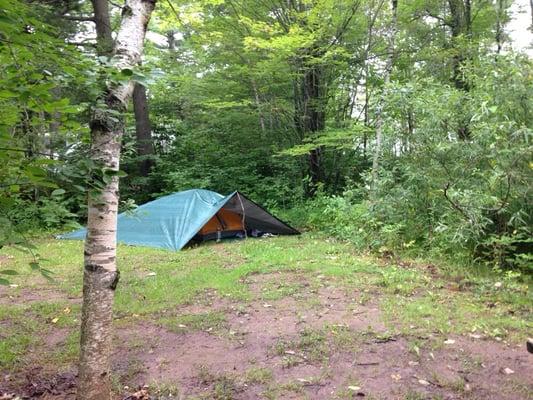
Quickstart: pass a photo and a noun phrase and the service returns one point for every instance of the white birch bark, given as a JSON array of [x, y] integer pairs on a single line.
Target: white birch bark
[[100, 273]]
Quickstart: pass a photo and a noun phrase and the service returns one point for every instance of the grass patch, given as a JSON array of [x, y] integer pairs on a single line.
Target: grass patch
[[25, 327], [414, 300], [258, 375], [453, 313], [212, 322], [279, 290]]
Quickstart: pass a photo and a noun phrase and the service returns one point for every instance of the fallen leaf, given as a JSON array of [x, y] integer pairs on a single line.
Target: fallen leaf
[[55, 320], [354, 388], [423, 382], [508, 371], [449, 341], [67, 310], [413, 363], [267, 305], [396, 377]]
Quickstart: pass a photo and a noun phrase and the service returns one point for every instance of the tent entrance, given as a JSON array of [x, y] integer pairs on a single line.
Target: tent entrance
[[223, 224], [241, 217]]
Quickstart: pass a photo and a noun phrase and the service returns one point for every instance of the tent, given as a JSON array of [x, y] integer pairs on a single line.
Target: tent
[[175, 220]]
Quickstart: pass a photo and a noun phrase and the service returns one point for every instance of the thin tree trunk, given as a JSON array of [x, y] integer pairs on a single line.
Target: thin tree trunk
[[171, 40], [258, 105], [104, 39], [531, 9], [461, 26], [499, 27], [379, 110], [143, 129], [100, 273]]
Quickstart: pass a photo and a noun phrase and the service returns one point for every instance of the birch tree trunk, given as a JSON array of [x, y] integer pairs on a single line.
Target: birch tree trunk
[[100, 273]]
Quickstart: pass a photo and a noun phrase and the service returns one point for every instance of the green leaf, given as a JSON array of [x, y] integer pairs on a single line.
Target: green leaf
[[9, 272], [4, 282], [58, 192], [6, 94]]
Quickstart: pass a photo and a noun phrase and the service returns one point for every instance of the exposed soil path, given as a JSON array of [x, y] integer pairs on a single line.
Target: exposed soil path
[[299, 335]]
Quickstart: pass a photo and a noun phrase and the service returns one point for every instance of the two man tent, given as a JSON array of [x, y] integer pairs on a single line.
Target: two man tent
[[173, 221]]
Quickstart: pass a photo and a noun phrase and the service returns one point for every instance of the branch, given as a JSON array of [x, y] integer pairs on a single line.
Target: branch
[[454, 205], [80, 18], [84, 43], [23, 151], [115, 4], [438, 17]]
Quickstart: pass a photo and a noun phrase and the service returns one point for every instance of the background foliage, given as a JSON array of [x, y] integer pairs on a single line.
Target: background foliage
[[283, 102]]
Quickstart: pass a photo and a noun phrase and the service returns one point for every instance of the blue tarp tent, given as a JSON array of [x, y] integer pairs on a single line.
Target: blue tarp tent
[[172, 221]]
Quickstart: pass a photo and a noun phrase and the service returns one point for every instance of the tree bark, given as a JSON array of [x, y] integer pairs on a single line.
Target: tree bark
[[461, 26], [379, 111], [143, 129], [259, 107], [499, 26], [531, 10], [310, 118], [100, 272], [104, 39]]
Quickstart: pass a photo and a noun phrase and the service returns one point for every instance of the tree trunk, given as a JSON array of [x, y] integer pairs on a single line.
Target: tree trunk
[[499, 26], [171, 40], [461, 26], [100, 273], [259, 107], [531, 10], [104, 39], [379, 111], [143, 129], [309, 118]]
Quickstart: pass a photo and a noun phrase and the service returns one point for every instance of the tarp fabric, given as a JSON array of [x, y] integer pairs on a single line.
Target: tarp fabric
[[170, 222]]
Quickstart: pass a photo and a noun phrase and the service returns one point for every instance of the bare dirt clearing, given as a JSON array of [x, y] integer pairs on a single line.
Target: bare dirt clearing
[[297, 333]]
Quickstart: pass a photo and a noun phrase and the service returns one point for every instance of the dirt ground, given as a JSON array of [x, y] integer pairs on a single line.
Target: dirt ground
[[316, 341]]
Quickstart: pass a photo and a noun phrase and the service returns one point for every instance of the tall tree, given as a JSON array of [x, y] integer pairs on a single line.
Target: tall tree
[[461, 28], [386, 78], [143, 129], [100, 272]]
